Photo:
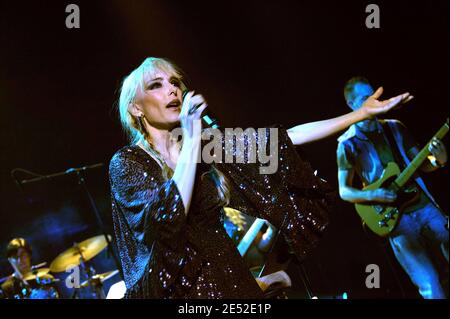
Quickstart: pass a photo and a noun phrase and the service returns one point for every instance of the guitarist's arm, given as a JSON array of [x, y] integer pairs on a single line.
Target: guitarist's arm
[[354, 195]]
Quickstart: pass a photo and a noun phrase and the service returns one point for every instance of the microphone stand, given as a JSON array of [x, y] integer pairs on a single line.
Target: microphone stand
[[81, 181]]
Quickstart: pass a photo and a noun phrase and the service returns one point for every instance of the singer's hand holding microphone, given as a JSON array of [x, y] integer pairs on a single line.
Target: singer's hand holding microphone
[[190, 116]]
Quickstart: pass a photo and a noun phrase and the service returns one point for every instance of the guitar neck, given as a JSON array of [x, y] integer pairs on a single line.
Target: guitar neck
[[409, 171]]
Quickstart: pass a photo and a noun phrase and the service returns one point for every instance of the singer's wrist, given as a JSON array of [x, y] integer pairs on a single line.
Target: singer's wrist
[[191, 142]]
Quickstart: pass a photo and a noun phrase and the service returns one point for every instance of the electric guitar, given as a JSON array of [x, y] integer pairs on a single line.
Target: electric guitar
[[380, 218]]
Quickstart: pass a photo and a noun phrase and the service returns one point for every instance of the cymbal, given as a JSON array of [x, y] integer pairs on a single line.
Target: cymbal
[[33, 270], [36, 273], [100, 277], [85, 250]]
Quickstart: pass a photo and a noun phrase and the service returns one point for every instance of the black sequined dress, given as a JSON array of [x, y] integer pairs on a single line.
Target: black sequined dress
[[168, 254]]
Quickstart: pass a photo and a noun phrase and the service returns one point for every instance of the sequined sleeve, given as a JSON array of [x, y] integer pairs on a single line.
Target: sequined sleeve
[[292, 199], [154, 208], [149, 221]]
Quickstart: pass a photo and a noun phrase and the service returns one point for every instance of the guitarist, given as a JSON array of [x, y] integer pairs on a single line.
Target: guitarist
[[363, 151]]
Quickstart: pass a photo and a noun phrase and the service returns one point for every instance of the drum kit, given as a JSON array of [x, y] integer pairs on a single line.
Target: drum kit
[[86, 283]]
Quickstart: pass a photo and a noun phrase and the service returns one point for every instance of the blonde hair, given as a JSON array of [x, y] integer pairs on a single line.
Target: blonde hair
[[135, 81], [133, 128]]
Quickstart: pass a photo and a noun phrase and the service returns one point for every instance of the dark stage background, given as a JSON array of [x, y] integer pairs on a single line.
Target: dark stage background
[[256, 63]]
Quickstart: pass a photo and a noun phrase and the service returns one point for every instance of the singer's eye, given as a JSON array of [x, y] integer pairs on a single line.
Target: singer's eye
[[154, 85], [176, 83]]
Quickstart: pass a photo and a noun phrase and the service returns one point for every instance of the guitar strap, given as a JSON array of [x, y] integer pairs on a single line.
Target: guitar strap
[[393, 144], [400, 159]]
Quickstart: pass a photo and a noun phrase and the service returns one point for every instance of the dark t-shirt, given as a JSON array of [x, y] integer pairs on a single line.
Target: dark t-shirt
[[368, 153]]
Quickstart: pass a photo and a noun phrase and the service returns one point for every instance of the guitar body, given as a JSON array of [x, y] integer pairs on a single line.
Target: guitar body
[[382, 219]]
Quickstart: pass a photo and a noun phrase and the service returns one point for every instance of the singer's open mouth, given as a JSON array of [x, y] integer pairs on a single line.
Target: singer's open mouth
[[173, 104]]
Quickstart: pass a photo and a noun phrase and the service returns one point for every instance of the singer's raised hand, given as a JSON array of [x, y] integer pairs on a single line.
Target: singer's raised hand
[[374, 106], [190, 115], [184, 174]]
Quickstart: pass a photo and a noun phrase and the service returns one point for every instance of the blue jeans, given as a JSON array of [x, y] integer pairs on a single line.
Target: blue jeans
[[411, 240]]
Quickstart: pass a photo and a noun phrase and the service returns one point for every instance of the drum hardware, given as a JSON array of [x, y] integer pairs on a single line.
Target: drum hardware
[[37, 284], [99, 278], [39, 265], [95, 284], [36, 274], [79, 255], [82, 252], [81, 181]]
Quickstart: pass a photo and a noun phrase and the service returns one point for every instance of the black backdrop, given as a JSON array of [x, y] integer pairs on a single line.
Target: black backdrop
[[256, 62]]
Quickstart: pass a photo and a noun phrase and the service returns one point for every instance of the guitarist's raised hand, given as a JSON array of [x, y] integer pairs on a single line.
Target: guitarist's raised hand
[[372, 106], [382, 195]]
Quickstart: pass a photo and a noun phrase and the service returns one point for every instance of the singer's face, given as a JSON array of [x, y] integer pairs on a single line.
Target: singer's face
[[160, 99]]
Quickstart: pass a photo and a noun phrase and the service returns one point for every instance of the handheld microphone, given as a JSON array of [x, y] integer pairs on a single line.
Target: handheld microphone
[[208, 119]]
